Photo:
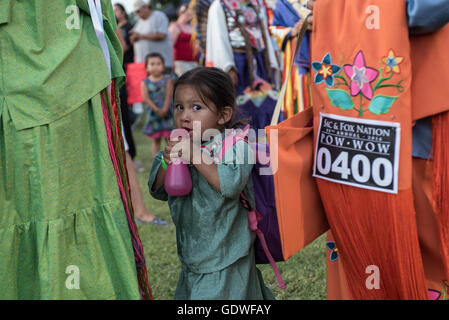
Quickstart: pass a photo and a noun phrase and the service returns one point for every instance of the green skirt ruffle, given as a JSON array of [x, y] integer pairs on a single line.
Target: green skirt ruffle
[[63, 229], [242, 280]]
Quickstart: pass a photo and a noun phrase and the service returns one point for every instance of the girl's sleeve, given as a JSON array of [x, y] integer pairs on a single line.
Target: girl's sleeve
[[234, 171], [159, 193]]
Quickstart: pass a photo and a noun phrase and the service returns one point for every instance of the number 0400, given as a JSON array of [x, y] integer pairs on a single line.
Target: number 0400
[[361, 169]]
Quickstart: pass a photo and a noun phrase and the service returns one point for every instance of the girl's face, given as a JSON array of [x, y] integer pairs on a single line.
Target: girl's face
[[189, 108], [155, 66]]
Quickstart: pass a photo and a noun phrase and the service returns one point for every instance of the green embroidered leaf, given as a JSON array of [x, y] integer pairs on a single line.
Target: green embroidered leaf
[[381, 104], [340, 98]]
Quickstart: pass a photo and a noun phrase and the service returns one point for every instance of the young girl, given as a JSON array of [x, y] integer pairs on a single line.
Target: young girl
[[215, 244], [156, 92]]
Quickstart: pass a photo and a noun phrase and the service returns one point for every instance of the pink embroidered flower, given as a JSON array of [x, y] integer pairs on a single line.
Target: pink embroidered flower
[[361, 76]]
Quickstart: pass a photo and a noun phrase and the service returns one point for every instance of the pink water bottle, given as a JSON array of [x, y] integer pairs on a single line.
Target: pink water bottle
[[177, 178]]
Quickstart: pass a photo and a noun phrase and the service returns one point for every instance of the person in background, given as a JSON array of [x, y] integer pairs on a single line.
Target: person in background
[[128, 57], [238, 42], [156, 93], [125, 26], [181, 37], [288, 17], [150, 34], [141, 213]]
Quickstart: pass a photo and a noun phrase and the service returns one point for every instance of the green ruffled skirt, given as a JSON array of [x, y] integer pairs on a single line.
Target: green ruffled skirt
[[63, 229], [242, 280]]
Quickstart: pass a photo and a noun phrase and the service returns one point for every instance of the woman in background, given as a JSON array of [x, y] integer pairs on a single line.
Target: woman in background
[[128, 57], [181, 37]]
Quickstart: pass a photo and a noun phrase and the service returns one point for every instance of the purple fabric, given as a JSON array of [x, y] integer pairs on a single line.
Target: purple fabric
[[260, 117], [266, 206], [241, 64]]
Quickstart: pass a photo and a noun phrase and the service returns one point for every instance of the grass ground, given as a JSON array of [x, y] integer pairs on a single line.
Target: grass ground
[[304, 273]]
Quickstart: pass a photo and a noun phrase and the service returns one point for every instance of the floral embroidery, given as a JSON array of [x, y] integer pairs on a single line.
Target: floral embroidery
[[325, 70], [212, 152], [212, 149], [331, 246], [435, 294], [392, 62], [361, 76], [358, 78]]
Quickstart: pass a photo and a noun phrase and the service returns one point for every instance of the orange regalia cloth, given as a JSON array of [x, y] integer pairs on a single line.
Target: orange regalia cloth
[[388, 213], [374, 75]]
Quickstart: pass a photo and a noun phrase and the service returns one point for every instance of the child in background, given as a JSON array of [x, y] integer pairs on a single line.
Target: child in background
[[156, 93], [215, 244]]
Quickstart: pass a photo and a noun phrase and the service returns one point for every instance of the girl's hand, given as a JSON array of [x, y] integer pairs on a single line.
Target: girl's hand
[[179, 149], [170, 144]]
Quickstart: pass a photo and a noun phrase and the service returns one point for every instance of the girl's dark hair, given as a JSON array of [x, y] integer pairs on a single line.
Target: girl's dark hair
[[123, 9], [154, 55], [212, 85]]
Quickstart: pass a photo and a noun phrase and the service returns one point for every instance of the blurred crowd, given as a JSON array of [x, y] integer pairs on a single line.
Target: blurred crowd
[[251, 40]]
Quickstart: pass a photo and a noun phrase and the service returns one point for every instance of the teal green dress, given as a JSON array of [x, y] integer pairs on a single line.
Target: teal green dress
[[215, 244]]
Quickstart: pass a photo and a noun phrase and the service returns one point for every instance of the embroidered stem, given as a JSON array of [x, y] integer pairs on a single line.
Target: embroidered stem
[[444, 292], [361, 105], [382, 79], [398, 86], [340, 83], [361, 110]]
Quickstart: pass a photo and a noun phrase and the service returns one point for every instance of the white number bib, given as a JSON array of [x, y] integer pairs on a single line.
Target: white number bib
[[358, 152]]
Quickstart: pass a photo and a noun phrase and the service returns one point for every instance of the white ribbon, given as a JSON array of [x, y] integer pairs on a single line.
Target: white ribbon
[[96, 15], [97, 20]]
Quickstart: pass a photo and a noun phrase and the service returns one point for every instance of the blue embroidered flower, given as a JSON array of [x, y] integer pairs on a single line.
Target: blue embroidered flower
[[325, 70], [331, 246]]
